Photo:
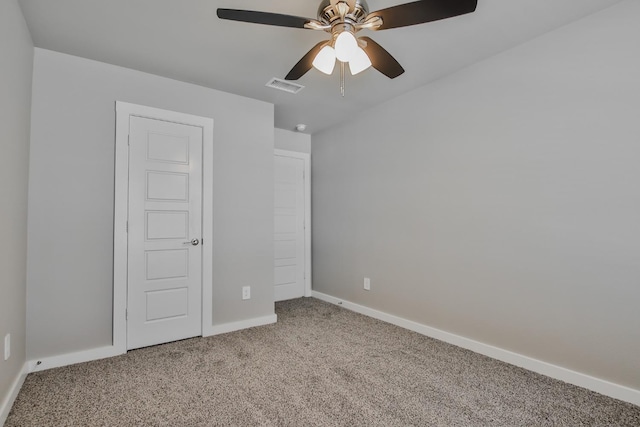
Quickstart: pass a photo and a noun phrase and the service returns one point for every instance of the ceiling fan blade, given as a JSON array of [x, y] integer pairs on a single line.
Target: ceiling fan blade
[[264, 18], [419, 12], [306, 63], [381, 60]]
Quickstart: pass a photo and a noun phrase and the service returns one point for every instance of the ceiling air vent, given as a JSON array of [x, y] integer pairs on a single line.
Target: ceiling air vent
[[284, 85]]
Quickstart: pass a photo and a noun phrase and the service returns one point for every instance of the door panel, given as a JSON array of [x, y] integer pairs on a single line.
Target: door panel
[[289, 239], [167, 304], [167, 186], [167, 225], [164, 289]]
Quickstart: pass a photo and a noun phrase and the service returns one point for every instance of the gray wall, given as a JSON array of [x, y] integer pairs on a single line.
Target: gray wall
[[292, 141], [500, 203], [72, 192], [16, 65]]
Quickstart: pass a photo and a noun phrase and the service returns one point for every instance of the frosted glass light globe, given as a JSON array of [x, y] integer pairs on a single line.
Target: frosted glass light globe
[[359, 62], [325, 60], [346, 46]]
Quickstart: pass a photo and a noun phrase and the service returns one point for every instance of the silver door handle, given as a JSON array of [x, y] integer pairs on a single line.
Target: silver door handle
[[194, 242]]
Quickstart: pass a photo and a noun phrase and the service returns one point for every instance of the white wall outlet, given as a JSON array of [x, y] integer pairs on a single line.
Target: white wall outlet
[[7, 346], [367, 284], [246, 292]]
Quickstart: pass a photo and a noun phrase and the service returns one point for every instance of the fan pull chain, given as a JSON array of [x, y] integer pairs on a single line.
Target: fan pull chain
[[342, 78]]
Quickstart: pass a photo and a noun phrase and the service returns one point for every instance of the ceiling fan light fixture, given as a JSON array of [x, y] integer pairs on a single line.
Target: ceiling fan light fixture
[[343, 19], [346, 46], [359, 62], [325, 60]]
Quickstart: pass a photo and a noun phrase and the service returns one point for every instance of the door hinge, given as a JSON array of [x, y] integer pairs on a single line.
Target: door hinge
[[126, 315], [128, 139], [127, 227]]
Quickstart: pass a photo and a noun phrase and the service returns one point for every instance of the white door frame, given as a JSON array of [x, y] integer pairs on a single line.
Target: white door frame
[[306, 157], [120, 246]]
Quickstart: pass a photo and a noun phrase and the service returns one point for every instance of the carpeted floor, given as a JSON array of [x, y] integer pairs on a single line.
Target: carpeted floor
[[320, 365]]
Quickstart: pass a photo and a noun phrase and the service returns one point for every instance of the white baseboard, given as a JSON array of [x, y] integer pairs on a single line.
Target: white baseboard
[[13, 393], [598, 385], [73, 358], [242, 324], [111, 351]]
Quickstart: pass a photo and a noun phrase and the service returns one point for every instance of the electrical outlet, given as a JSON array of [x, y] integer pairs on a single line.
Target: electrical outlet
[[246, 292], [7, 346], [367, 284]]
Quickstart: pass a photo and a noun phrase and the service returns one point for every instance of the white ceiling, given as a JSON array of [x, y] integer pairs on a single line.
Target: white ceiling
[[184, 40]]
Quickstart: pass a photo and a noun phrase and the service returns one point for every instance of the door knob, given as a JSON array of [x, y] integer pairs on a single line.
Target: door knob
[[194, 242]]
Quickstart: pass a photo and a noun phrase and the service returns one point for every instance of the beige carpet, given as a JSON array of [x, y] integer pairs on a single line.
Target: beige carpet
[[320, 365]]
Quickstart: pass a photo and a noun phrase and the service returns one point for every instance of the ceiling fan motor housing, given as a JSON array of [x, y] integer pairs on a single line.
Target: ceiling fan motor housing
[[329, 14]]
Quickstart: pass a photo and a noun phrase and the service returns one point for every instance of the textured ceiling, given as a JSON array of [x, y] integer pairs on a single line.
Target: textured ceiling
[[184, 40]]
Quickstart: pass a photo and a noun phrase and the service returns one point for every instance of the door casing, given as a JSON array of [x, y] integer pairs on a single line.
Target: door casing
[[120, 242]]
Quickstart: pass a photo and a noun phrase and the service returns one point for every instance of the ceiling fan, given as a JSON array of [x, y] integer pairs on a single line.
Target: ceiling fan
[[343, 19]]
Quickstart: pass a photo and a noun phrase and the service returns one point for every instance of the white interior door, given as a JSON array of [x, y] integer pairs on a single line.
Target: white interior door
[[289, 223], [164, 286]]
